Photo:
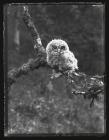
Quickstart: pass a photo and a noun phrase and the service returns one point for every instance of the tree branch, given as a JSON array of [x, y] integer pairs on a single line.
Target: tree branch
[[88, 86], [32, 29], [41, 54], [31, 65]]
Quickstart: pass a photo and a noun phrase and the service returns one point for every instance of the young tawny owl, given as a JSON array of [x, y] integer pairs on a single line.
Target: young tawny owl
[[59, 56]]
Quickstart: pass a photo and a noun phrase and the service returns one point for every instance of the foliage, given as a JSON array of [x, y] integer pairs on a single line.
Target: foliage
[[36, 108]]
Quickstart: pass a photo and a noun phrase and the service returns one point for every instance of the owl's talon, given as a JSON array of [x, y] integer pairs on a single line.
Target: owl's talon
[[56, 75], [52, 77]]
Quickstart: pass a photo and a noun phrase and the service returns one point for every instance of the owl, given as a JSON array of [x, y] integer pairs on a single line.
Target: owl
[[59, 56]]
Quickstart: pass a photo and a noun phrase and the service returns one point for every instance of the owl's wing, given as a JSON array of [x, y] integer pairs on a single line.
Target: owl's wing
[[70, 62]]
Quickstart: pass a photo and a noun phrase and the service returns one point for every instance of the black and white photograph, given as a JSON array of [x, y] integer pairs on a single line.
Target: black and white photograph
[[54, 62]]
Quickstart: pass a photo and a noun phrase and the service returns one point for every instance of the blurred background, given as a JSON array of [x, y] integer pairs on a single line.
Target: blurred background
[[37, 105]]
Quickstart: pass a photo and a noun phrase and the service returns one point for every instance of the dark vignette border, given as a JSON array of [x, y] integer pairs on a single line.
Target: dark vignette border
[[5, 66]]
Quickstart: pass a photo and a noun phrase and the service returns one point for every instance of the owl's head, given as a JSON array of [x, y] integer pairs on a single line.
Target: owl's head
[[57, 45]]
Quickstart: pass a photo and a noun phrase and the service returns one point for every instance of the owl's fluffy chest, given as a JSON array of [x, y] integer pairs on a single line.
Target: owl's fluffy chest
[[57, 60]]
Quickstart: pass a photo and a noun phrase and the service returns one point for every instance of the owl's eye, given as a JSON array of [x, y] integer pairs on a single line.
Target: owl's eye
[[63, 47], [54, 47]]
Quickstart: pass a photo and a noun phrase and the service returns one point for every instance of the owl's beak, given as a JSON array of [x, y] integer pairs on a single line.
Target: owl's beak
[[58, 50]]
